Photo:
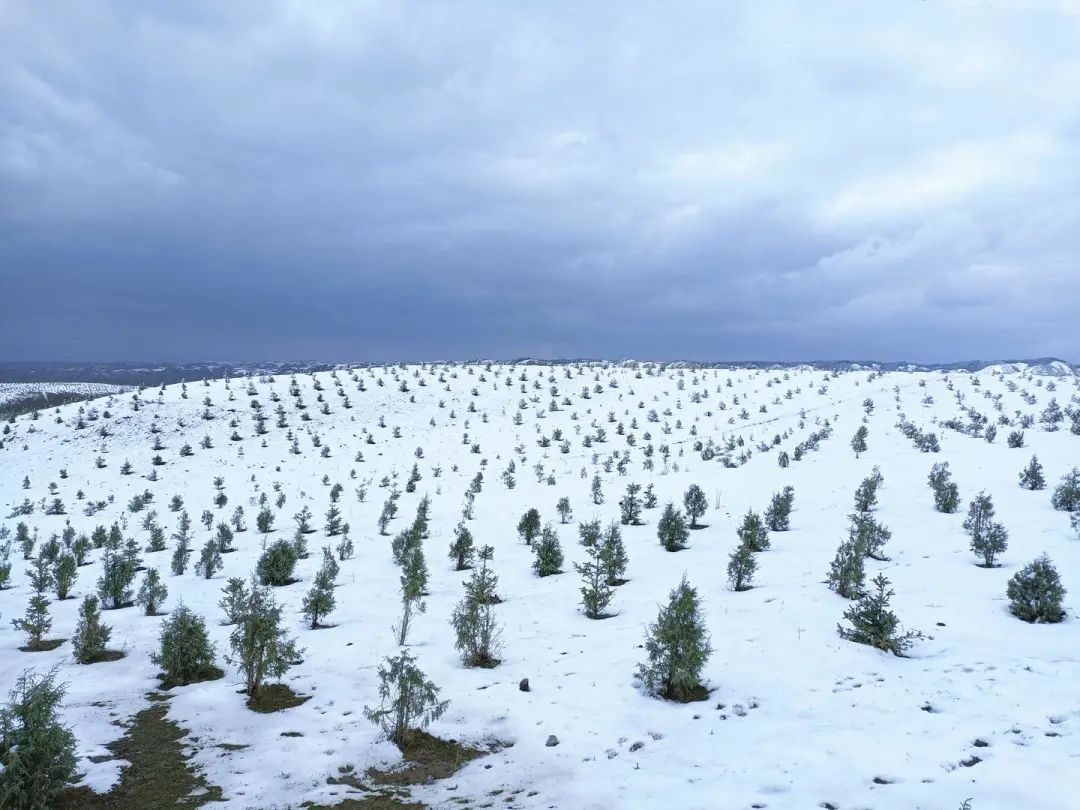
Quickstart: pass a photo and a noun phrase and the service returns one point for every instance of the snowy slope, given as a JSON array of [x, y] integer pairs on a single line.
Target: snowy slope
[[14, 391], [797, 718]]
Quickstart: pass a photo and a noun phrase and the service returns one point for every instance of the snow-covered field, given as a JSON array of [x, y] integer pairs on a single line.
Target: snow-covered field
[[9, 391], [797, 717], [43, 392]]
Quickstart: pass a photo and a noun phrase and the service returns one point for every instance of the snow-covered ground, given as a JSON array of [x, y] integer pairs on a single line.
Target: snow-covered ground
[[797, 717], [43, 392], [17, 391]]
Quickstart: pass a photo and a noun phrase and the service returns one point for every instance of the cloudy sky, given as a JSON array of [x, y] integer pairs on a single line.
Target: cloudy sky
[[896, 179]]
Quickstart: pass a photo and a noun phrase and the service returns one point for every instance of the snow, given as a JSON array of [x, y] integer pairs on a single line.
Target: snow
[[14, 391], [797, 717], [1054, 368]]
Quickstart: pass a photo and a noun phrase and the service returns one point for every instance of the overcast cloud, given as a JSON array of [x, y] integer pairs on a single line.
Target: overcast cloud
[[897, 179]]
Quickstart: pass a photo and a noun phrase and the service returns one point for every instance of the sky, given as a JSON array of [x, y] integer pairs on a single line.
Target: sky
[[356, 180]]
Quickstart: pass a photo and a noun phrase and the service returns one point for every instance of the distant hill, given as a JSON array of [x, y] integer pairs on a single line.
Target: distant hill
[[150, 374]]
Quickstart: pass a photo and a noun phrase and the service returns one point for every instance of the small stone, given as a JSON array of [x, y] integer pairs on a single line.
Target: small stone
[[637, 746], [523, 685], [552, 741]]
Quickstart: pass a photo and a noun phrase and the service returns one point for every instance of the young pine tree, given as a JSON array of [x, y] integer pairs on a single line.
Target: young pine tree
[[37, 751], [980, 516], [866, 494], [548, 559], [613, 556], [319, 602], [1035, 592], [333, 521], [91, 634], [80, 548], [40, 575], [402, 542], [869, 535], [462, 550], [299, 544], [596, 593], [36, 622], [990, 543], [873, 622], [589, 533], [65, 571], [482, 586], [847, 572], [408, 701], [185, 653], [671, 529], [695, 503], [677, 648], [260, 647], [858, 441], [344, 548], [946, 493], [778, 513], [414, 578], [1031, 477], [157, 539], [1067, 494], [478, 635], [276, 565], [630, 506], [224, 538], [741, 567], [209, 560], [114, 586], [330, 563], [528, 527], [234, 600], [238, 520], [564, 510], [752, 533], [182, 552], [152, 593], [264, 521], [596, 491]]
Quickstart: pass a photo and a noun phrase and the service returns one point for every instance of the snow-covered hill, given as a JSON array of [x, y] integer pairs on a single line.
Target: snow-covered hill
[[986, 706], [42, 391]]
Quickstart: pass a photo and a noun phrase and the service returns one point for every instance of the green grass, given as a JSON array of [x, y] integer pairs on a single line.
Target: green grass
[[427, 759], [158, 776], [45, 645], [209, 674], [275, 697]]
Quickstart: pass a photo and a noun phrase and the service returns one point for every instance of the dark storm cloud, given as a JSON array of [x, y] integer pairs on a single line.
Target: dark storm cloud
[[342, 180]]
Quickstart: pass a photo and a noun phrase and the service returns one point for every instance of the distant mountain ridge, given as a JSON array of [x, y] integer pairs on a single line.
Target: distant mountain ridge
[[146, 374]]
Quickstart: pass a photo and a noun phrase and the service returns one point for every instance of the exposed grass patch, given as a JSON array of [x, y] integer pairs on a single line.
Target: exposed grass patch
[[376, 801], [427, 758], [44, 645], [696, 694], [275, 697], [158, 774], [209, 674], [106, 655]]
